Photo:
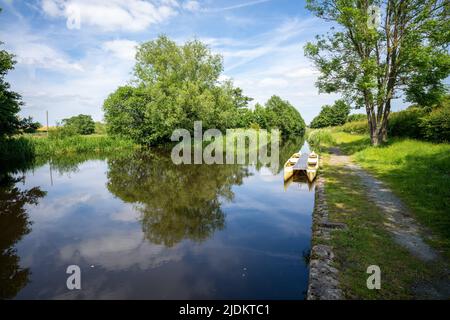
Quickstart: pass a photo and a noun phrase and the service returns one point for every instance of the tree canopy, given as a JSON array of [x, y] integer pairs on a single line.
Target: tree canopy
[[10, 101], [331, 116], [175, 85], [371, 63], [280, 114], [80, 124]]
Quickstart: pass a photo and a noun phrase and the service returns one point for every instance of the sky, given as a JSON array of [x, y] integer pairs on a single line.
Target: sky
[[71, 54]]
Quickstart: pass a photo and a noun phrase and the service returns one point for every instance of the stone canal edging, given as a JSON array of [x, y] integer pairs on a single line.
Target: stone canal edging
[[323, 277]]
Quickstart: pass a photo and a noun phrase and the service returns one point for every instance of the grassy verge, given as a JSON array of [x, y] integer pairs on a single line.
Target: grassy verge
[[418, 173], [366, 242], [45, 147]]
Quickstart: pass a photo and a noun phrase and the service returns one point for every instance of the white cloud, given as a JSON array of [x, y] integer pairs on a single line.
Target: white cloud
[[122, 49], [191, 5], [238, 6], [39, 55], [266, 44], [51, 8], [273, 82], [34, 52], [113, 15], [273, 63]]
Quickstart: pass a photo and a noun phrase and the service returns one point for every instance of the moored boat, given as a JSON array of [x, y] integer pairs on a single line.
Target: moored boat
[[312, 166], [289, 166]]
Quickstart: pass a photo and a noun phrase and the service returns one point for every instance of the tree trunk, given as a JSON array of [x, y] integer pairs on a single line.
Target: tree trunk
[[378, 125], [374, 134]]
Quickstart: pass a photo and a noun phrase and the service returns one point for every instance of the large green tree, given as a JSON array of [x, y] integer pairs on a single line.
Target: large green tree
[[10, 101], [174, 86], [372, 61], [331, 116], [80, 124], [279, 114]]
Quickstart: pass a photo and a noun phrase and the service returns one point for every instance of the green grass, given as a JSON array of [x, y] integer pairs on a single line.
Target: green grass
[[416, 171], [366, 242], [419, 173], [320, 138], [45, 147], [15, 153]]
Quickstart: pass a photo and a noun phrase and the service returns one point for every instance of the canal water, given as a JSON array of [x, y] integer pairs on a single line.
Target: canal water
[[140, 227]]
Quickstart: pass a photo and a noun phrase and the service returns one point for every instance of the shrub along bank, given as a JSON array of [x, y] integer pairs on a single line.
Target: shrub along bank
[[414, 122]]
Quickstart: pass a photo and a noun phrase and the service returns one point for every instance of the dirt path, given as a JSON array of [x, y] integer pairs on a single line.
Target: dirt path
[[405, 229]]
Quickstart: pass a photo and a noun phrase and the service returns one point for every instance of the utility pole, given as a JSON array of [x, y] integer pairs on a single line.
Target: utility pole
[[47, 121]]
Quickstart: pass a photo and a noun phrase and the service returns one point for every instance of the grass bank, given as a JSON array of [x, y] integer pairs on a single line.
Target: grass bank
[[48, 147], [418, 173], [366, 242]]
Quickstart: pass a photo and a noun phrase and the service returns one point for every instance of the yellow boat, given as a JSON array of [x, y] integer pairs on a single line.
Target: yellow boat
[[289, 166], [312, 166]]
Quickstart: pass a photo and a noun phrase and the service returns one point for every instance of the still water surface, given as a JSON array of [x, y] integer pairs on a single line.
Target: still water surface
[[140, 227]]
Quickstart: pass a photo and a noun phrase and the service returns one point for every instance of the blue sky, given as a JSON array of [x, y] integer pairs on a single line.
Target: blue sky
[[69, 70]]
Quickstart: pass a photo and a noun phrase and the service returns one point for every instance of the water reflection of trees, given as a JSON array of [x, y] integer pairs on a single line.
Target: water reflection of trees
[[177, 202], [14, 224]]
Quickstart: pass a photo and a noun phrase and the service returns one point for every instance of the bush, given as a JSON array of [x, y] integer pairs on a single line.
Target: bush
[[436, 125], [100, 128], [357, 117], [331, 116], [15, 153], [359, 127], [28, 125], [320, 137], [406, 123], [61, 132], [81, 124]]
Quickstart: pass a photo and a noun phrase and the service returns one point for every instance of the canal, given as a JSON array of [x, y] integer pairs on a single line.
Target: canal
[[140, 227]]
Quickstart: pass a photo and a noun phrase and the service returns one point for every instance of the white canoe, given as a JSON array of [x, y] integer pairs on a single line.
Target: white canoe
[[313, 166], [289, 166]]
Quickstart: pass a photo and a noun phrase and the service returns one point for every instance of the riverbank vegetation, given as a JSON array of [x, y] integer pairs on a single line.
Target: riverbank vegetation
[[49, 147]]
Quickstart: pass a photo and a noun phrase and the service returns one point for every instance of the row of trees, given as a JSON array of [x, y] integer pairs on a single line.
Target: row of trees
[[175, 85]]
